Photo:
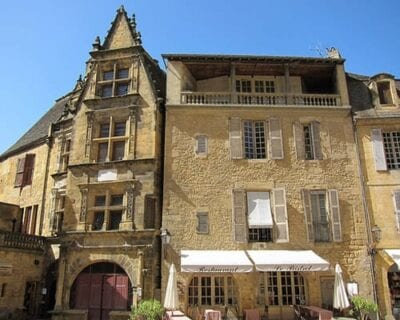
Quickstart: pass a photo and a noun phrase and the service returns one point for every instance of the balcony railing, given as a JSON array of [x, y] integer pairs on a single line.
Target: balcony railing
[[21, 241], [260, 99]]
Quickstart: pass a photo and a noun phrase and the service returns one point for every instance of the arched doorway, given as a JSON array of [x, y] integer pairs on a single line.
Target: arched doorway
[[101, 288]]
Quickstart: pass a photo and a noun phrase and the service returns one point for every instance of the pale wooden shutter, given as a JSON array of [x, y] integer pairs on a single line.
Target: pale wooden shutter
[[298, 133], [334, 211], [280, 215], [315, 129], [275, 134], [239, 216], [308, 214], [235, 137], [396, 200], [379, 151]]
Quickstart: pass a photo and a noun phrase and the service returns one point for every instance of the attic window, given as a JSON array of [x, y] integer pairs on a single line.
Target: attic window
[[114, 82], [385, 96]]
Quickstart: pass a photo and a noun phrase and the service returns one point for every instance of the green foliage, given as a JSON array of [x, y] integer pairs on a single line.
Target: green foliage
[[361, 307], [148, 310]]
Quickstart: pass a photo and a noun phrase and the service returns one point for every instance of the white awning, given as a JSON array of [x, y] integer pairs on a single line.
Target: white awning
[[259, 210], [395, 255], [287, 260], [215, 261]]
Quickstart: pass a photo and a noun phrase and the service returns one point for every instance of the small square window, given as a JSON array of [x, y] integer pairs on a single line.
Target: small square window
[[108, 75], [106, 91], [115, 219], [122, 89], [104, 130], [116, 200], [119, 129], [100, 201], [123, 74], [118, 150], [98, 220]]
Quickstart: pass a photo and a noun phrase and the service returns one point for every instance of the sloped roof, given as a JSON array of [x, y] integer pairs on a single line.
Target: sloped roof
[[40, 130]]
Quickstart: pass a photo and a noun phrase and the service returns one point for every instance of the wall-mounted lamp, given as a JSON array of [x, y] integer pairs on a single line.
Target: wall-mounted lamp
[[165, 236], [376, 237]]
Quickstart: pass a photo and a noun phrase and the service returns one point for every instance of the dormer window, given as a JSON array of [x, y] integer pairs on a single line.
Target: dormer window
[[385, 96], [114, 82]]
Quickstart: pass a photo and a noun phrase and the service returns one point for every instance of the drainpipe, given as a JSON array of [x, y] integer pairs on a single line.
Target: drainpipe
[[367, 216]]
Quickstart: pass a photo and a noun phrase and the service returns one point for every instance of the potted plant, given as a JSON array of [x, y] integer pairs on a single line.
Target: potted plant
[[148, 310], [362, 308]]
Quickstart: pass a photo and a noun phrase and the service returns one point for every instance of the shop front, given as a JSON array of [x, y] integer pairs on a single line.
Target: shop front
[[233, 282]]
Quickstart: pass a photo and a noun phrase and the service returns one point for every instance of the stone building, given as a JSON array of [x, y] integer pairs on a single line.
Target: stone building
[[85, 182], [262, 195], [376, 104]]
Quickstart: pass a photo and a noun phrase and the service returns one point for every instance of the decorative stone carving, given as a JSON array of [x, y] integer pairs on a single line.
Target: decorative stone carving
[[84, 196]]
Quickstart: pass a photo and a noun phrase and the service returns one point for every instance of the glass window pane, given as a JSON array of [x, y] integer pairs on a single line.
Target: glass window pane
[[116, 200], [122, 89], [115, 219], [108, 75], [106, 91], [100, 201], [119, 129], [123, 74], [98, 220], [118, 150], [102, 152], [104, 130]]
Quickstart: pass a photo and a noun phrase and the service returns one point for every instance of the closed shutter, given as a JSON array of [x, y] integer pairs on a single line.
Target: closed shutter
[[280, 215], [202, 222], [201, 145], [150, 208], [239, 216], [379, 151], [315, 129], [235, 137], [396, 199], [28, 169], [275, 134], [308, 214], [335, 215], [298, 133]]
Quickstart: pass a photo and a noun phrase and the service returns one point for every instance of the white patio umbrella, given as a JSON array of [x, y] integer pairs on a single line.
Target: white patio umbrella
[[340, 300], [171, 292]]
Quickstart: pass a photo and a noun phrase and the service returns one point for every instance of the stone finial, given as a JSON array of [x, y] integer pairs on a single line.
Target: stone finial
[[133, 22], [96, 44], [333, 53], [121, 9], [138, 38]]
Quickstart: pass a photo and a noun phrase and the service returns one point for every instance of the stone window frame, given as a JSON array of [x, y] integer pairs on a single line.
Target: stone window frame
[[107, 209], [111, 79], [201, 145], [29, 219]]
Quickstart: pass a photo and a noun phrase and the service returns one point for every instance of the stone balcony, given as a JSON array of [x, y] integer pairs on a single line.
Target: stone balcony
[[260, 99], [15, 240]]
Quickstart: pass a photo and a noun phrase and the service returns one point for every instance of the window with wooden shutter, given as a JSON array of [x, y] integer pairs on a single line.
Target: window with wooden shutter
[[280, 215], [315, 129], [379, 152], [33, 220], [150, 208], [396, 201], [20, 172], [308, 214], [201, 145], [334, 209], [25, 168], [202, 222], [275, 134], [298, 132], [239, 216], [235, 137]]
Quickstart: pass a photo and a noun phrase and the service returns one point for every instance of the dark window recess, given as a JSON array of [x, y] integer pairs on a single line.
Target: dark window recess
[[104, 130], [115, 219], [149, 212], [118, 150], [108, 75], [202, 222], [122, 89], [98, 220], [119, 129], [260, 234], [123, 74], [100, 201], [25, 168], [116, 200], [3, 289], [106, 91], [102, 152], [385, 97]]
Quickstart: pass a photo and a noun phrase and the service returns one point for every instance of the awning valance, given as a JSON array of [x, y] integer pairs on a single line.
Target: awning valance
[[395, 255], [215, 261], [287, 260]]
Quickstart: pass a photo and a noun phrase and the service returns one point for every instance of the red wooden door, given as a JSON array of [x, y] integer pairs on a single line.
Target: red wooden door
[[95, 296], [121, 292]]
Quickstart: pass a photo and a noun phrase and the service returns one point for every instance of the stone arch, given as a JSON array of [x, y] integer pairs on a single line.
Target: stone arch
[[78, 264]]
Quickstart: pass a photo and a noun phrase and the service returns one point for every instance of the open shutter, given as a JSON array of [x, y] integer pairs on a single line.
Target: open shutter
[[239, 216], [335, 215], [28, 169], [275, 134], [308, 214], [235, 137], [280, 215], [298, 133], [20, 172], [315, 130], [379, 151], [396, 199]]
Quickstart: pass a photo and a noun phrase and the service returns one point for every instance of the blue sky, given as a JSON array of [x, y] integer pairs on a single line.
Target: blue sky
[[45, 43]]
